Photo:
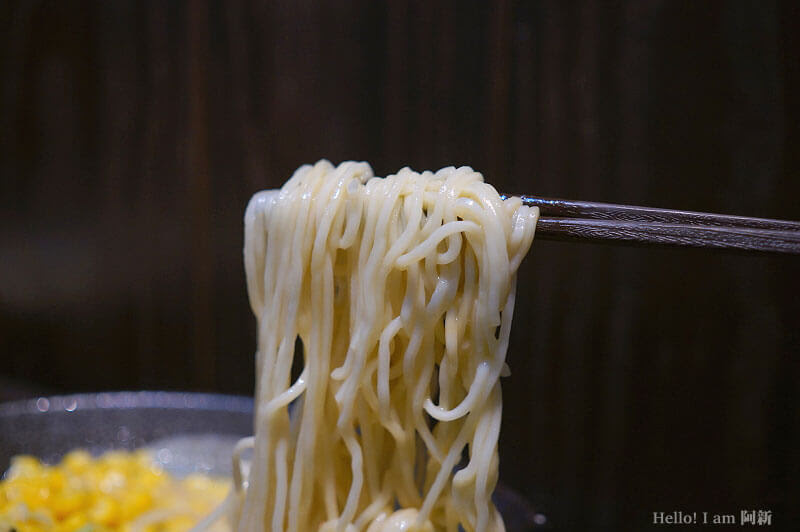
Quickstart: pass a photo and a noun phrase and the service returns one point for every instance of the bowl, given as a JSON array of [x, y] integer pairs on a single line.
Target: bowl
[[187, 432]]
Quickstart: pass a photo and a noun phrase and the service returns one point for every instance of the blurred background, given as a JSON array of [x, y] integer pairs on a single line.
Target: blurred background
[[132, 134]]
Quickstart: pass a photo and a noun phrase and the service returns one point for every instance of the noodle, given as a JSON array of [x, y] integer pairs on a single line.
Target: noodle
[[401, 291]]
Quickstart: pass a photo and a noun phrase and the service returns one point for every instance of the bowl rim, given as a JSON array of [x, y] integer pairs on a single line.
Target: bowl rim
[[123, 400]]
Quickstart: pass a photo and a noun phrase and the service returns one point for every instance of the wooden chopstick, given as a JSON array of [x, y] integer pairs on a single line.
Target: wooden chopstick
[[628, 224], [611, 211]]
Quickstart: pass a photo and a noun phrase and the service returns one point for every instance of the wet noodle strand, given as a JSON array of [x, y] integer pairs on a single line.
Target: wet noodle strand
[[401, 291]]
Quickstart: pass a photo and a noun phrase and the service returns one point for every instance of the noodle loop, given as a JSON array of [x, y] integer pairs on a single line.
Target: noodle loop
[[402, 292]]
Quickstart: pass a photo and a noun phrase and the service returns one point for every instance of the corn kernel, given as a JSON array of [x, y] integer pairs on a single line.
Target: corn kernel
[[77, 461], [103, 494], [24, 466], [66, 504], [74, 522], [134, 504], [104, 511]]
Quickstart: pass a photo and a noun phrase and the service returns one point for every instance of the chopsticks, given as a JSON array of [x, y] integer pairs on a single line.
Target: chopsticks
[[585, 221]]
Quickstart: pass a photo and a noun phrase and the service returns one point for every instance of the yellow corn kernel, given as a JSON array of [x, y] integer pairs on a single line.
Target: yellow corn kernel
[[107, 494], [180, 523], [23, 466], [118, 460], [30, 527], [56, 480], [105, 511], [112, 480], [29, 492], [134, 504], [150, 478], [67, 503], [73, 522], [77, 461]]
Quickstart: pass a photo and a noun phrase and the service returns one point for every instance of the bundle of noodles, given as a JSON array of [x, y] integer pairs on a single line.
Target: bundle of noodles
[[401, 291]]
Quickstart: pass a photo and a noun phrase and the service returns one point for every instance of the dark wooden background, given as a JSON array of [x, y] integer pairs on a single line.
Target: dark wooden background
[[132, 134]]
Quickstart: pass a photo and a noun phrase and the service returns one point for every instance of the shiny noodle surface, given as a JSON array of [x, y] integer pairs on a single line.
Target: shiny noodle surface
[[401, 291]]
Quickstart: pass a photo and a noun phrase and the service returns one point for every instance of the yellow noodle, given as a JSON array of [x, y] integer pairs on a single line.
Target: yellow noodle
[[401, 291]]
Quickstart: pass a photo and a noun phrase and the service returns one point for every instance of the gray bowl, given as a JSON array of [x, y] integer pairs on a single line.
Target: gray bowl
[[49, 427]]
